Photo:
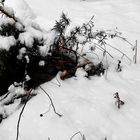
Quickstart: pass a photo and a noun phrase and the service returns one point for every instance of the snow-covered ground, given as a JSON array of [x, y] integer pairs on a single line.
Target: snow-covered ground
[[87, 106]]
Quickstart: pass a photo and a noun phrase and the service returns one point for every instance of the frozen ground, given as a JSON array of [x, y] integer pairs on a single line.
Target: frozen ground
[[87, 106]]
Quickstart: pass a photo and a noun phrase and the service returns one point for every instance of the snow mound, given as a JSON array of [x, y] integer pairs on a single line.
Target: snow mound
[[87, 106], [7, 42], [21, 9]]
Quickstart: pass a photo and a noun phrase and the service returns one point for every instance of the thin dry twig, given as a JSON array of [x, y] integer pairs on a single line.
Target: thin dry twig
[[75, 135], [82, 136], [124, 39], [119, 51], [102, 49], [19, 119], [41, 115], [51, 102], [135, 53]]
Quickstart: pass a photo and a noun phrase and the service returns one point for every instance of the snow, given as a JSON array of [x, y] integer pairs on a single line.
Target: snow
[[21, 8], [7, 42], [87, 105], [22, 51], [49, 40], [29, 36], [5, 21], [9, 10], [41, 63], [81, 39], [26, 38]]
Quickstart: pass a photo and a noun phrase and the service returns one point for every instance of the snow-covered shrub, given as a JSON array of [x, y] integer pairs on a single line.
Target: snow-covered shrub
[[9, 28], [87, 47], [27, 50], [28, 47], [16, 50], [29, 56]]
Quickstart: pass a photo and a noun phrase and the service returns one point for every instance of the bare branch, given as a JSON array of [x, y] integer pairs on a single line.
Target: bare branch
[[10, 15]]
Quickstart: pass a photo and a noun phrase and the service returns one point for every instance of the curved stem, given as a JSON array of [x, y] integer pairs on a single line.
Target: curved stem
[[119, 51]]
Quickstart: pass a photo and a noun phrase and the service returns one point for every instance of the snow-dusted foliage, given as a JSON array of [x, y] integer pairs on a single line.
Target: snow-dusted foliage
[[30, 56], [19, 46], [31, 50]]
